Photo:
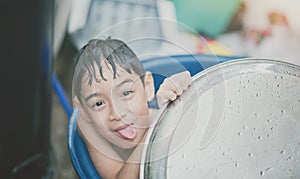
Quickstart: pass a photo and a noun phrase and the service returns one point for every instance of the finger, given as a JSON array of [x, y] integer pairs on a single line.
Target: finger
[[166, 95], [172, 85], [184, 79]]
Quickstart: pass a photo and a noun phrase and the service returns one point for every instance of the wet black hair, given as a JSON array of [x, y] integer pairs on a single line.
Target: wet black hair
[[97, 51]]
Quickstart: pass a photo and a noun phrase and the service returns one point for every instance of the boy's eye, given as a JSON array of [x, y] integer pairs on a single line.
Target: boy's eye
[[126, 93], [99, 103]]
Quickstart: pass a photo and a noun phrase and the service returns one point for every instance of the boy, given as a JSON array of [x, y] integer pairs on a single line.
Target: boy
[[111, 90]]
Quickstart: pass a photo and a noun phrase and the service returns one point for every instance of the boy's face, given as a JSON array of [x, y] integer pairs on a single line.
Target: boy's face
[[117, 108]]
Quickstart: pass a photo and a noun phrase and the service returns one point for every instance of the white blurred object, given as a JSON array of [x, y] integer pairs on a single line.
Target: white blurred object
[[282, 44], [256, 15], [78, 14], [149, 27], [62, 11], [271, 30]]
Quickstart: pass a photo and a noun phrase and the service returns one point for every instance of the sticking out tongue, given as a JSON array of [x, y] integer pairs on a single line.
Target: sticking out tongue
[[128, 132]]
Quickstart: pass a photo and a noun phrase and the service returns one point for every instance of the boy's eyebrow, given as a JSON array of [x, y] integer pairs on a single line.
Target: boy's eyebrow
[[127, 80], [91, 96]]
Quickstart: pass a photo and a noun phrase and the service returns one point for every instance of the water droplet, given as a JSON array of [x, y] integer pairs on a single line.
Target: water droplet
[[239, 133], [271, 114], [278, 85], [268, 135], [183, 156], [257, 95], [250, 154], [236, 164], [259, 137], [254, 129], [244, 127], [262, 173], [217, 170], [188, 169], [256, 114], [272, 128], [269, 169], [282, 152], [224, 153]]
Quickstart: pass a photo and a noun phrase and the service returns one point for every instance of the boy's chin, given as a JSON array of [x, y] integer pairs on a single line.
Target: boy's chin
[[127, 145]]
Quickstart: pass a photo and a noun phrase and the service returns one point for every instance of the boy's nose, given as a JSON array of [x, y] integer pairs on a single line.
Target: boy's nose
[[115, 113]]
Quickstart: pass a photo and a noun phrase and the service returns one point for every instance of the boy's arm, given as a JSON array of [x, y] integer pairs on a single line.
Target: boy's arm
[[172, 87], [110, 168], [107, 162]]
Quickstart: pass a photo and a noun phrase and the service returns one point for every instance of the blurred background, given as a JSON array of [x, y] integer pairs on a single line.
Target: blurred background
[[41, 38]]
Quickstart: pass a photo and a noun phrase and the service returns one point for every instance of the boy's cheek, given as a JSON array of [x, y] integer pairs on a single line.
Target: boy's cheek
[[139, 107]]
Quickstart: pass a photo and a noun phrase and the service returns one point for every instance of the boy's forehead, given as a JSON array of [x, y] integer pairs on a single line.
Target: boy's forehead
[[108, 73]]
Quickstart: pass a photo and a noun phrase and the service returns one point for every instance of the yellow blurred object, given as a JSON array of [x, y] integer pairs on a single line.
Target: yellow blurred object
[[212, 47], [278, 18]]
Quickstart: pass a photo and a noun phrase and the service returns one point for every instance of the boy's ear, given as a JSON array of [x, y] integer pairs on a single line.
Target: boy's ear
[[149, 86], [82, 111]]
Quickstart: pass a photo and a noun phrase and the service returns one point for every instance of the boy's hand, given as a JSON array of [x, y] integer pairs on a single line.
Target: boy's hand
[[173, 87]]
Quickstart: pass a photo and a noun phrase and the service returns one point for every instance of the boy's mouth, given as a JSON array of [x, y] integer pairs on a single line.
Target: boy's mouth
[[126, 132]]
